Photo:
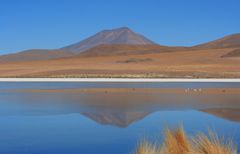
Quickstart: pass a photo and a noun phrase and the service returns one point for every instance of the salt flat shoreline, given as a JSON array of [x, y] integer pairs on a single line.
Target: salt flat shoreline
[[112, 80]]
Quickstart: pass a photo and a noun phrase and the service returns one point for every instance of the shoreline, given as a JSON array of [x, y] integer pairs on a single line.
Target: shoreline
[[188, 91], [114, 80]]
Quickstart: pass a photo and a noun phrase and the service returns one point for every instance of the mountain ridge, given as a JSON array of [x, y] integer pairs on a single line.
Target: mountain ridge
[[228, 41], [119, 41], [35, 55]]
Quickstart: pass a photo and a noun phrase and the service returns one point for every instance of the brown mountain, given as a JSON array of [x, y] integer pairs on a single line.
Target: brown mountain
[[131, 59], [115, 36], [231, 41], [33, 55], [120, 41], [183, 64], [125, 49], [233, 53], [121, 36]]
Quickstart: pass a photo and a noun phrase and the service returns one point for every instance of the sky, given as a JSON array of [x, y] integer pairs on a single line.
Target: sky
[[50, 24]]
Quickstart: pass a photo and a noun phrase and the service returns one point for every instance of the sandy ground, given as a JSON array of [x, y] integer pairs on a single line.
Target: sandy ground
[[183, 64]]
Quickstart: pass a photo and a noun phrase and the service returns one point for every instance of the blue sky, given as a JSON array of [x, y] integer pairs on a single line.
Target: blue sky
[[27, 24]]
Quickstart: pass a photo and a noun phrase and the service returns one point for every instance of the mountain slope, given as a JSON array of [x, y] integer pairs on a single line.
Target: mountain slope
[[121, 41], [116, 36], [111, 37], [233, 53], [121, 49], [35, 54], [231, 41], [182, 64]]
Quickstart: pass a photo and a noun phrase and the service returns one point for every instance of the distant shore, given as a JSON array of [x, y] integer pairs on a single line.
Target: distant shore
[[113, 80]]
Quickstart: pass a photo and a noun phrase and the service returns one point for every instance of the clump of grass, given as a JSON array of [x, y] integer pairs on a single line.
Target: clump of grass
[[177, 142], [213, 144]]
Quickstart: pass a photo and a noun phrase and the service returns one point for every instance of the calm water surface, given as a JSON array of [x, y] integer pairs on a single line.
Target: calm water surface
[[107, 123]]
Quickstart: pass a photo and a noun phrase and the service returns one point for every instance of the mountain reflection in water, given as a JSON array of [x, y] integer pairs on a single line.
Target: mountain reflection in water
[[120, 107]]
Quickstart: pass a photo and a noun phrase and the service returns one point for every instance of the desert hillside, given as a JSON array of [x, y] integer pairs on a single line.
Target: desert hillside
[[230, 41], [34, 55], [124, 53], [185, 64]]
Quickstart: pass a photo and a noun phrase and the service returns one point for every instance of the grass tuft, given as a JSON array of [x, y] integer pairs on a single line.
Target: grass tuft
[[213, 144], [177, 142]]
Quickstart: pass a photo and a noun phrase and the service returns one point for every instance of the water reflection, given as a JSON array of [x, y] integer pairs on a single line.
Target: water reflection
[[119, 107], [57, 119], [117, 118], [225, 113]]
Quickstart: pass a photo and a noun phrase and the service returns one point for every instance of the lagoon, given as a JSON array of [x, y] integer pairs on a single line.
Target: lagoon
[[80, 117]]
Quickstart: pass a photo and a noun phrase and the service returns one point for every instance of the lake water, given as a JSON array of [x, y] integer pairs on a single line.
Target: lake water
[[109, 118]]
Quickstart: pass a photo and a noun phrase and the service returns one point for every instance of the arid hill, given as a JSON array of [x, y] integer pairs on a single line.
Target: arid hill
[[34, 55], [124, 53], [122, 49], [119, 36], [120, 41], [182, 64], [231, 41], [233, 53]]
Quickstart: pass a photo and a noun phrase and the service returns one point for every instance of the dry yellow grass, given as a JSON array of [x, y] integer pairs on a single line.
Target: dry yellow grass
[[177, 142], [212, 144]]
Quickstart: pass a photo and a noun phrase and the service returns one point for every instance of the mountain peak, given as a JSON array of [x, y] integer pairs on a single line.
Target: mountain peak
[[122, 35], [118, 29]]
